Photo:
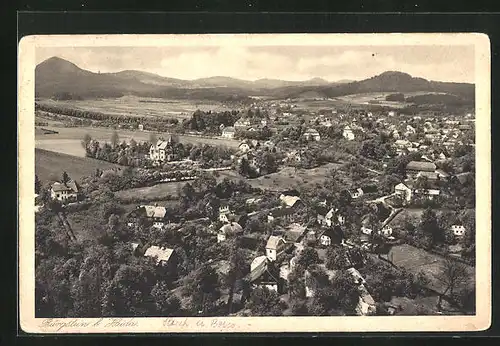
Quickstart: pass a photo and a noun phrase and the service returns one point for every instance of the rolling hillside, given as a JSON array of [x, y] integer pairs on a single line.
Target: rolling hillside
[[61, 79], [387, 81]]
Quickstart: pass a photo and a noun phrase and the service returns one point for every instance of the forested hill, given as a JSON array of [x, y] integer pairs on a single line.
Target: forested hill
[[60, 79]]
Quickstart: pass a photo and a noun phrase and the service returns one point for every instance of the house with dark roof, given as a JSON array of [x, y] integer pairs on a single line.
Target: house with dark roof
[[331, 235], [294, 233], [415, 167], [65, 192], [263, 273]]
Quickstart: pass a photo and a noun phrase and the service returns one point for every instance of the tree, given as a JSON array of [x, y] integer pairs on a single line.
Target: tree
[[453, 275], [307, 257], [236, 271], [336, 258], [129, 292], [430, 227], [115, 139], [296, 285], [86, 142], [133, 144], [203, 287], [167, 304], [38, 185], [65, 178], [153, 139], [264, 302]]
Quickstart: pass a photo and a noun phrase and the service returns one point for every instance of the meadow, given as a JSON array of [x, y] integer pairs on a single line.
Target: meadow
[[287, 178], [415, 260], [138, 106], [50, 165], [68, 139]]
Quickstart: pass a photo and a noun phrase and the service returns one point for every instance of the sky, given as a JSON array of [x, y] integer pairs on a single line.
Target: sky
[[294, 63]]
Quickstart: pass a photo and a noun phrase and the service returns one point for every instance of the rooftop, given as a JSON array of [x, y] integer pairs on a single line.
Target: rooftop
[[160, 253], [421, 166]]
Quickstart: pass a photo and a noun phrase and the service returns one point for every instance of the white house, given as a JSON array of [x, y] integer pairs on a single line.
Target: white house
[[429, 193], [244, 147], [404, 191], [223, 214], [156, 214], [311, 134], [386, 232], [242, 123], [64, 192], [228, 132], [158, 151], [275, 246], [458, 230], [160, 254], [347, 133], [366, 230], [229, 230], [356, 193]]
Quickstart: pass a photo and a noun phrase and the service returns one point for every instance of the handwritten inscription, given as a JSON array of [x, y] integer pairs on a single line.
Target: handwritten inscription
[[199, 324], [54, 324], [76, 324]]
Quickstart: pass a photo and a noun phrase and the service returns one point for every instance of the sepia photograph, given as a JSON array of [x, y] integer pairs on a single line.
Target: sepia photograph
[[218, 183]]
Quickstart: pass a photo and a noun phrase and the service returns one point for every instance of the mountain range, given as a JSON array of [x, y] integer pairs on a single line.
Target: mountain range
[[56, 76]]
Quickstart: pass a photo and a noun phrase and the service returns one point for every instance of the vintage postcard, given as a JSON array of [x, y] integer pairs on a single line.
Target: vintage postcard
[[254, 183]]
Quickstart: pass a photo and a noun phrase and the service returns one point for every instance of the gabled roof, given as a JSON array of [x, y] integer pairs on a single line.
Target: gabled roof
[[289, 201], [401, 186], [161, 145], [334, 232], [263, 268], [257, 261], [421, 166], [428, 175], [294, 232], [273, 241], [161, 254], [277, 212], [69, 186], [463, 177], [312, 131], [231, 229], [154, 211]]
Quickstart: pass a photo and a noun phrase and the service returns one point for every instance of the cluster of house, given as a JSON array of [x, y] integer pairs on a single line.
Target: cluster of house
[[271, 270], [244, 124], [448, 135]]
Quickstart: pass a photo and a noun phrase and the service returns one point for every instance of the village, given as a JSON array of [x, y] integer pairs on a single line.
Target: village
[[324, 247]]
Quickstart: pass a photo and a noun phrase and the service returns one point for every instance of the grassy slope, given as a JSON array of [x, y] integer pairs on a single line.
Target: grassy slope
[[48, 163]]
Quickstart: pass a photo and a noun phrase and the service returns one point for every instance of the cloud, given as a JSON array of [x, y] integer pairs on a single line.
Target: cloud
[[288, 63]]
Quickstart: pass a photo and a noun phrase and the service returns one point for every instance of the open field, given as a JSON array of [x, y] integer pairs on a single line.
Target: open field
[[157, 192], [50, 164], [379, 98], [414, 260], [68, 140], [287, 178], [139, 106]]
